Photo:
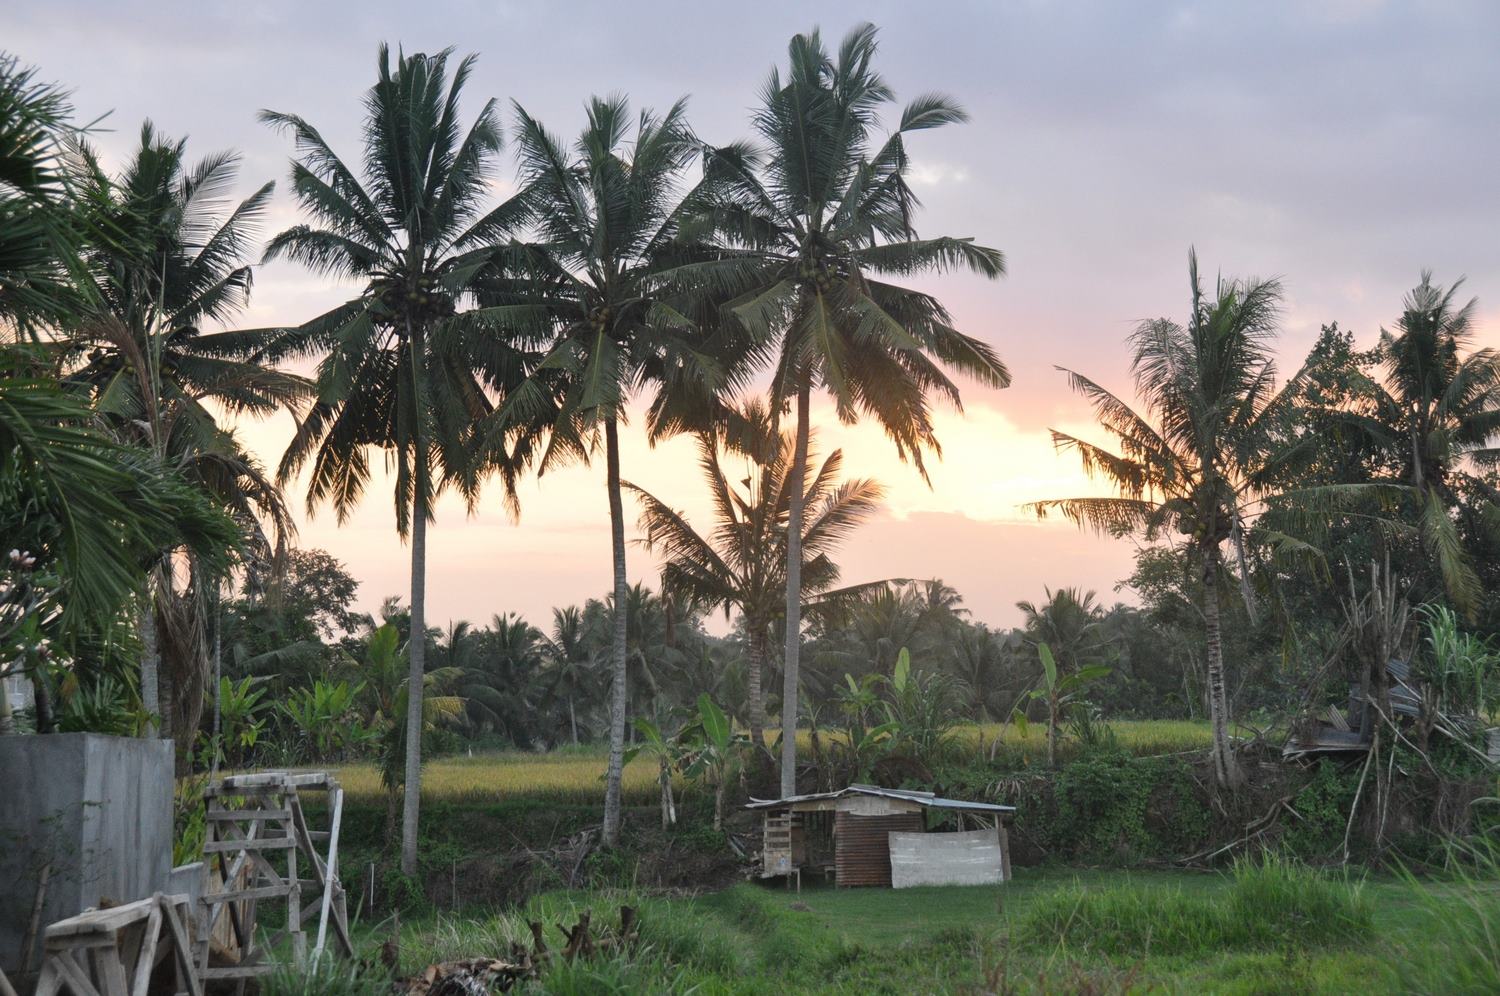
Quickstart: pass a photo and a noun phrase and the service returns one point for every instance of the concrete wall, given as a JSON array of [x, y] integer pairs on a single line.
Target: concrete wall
[[970, 858], [98, 809]]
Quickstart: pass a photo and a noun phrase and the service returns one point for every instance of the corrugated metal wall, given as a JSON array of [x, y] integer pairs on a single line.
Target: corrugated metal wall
[[862, 854]]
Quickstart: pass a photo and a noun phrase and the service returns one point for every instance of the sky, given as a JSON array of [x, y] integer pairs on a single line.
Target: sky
[[1342, 146]]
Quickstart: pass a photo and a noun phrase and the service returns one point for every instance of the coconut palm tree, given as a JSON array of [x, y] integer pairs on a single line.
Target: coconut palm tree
[[167, 253], [404, 369], [499, 671], [40, 227], [1204, 455], [570, 671], [812, 224], [604, 214], [1439, 408], [741, 562], [1071, 622]]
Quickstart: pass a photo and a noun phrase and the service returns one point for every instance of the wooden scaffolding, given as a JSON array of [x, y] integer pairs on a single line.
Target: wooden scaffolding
[[255, 824], [116, 951]]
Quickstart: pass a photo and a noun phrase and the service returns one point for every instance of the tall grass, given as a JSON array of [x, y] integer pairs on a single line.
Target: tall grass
[[1460, 953], [1270, 904]]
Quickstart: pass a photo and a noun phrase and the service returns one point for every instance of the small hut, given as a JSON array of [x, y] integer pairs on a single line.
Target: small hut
[[867, 835]]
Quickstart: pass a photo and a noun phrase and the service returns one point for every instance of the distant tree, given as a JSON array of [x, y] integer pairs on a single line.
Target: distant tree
[[570, 672], [740, 564], [499, 673], [1439, 408], [1071, 622]]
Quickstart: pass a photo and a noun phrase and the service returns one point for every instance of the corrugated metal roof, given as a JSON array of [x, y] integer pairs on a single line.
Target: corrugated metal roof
[[926, 799]]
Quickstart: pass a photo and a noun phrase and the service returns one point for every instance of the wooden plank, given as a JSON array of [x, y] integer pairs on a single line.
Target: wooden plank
[[241, 815], [111, 974], [253, 844], [146, 957], [237, 895], [237, 971], [75, 975], [186, 971], [331, 873]]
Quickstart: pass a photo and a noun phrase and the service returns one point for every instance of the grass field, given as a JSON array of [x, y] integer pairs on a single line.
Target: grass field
[[576, 774], [1284, 936]]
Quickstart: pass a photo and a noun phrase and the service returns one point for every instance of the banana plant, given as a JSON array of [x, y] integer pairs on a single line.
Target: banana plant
[[714, 751], [242, 713], [669, 752], [325, 714], [1060, 693], [866, 743]]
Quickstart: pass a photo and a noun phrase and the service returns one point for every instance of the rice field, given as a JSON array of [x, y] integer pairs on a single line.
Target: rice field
[[508, 776], [576, 775]]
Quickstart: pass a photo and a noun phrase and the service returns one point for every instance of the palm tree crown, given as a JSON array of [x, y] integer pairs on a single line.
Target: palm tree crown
[[1440, 409]]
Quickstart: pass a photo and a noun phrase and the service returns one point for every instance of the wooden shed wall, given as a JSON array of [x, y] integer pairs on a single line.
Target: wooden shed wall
[[862, 853]]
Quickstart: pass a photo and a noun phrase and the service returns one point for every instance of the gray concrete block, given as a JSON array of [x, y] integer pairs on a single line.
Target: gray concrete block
[[97, 809]]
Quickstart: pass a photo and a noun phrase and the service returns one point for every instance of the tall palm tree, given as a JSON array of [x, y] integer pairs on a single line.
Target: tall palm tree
[[812, 223], [605, 220], [404, 368], [741, 562], [168, 253], [1204, 455], [1439, 408]]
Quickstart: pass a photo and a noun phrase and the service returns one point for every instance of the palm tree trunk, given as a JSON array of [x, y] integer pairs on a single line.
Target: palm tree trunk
[[218, 679], [573, 719], [795, 497], [1225, 767], [7, 719], [664, 778], [417, 653], [615, 770], [1051, 734], [757, 663], [150, 665]]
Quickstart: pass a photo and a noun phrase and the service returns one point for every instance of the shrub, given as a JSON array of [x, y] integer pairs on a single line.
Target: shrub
[[1323, 805]]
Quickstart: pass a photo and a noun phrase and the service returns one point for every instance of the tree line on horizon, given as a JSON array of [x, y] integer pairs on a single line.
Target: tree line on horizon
[[639, 265]]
